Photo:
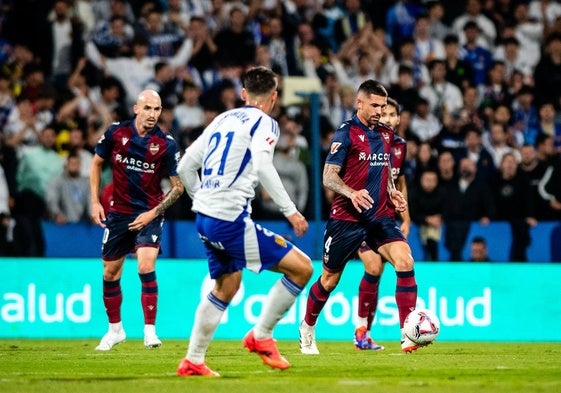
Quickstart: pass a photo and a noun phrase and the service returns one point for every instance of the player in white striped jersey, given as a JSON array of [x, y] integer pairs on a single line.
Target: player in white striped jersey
[[234, 154]]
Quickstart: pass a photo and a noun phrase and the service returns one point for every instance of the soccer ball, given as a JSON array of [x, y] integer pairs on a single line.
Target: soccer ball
[[421, 326]]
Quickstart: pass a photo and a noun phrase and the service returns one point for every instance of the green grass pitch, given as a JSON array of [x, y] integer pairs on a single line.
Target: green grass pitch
[[29, 366]]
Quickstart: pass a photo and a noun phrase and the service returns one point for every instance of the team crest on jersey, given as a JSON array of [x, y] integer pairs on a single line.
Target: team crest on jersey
[[361, 137], [335, 147], [397, 152], [280, 241], [386, 136], [154, 148], [124, 141]]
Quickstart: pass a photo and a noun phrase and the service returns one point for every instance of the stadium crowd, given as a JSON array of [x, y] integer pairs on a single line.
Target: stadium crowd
[[478, 82]]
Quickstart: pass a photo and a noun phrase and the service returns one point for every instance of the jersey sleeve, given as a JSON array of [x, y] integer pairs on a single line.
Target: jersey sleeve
[[189, 164], [339, 146], [172, 156], [104, 145], [266, 135]]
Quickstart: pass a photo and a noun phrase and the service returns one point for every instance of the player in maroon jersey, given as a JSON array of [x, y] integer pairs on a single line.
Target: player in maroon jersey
[[357, 169], [141, 155], [373, 264]]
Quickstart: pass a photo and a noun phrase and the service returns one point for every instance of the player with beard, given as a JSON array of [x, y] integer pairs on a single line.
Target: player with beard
[[358, 170]]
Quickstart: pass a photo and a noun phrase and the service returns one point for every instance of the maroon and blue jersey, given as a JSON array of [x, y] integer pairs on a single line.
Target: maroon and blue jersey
[[398, 152], [139, 165], [363, 155]]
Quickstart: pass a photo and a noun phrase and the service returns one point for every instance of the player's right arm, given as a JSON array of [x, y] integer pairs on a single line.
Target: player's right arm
[[360, 199], [189, 164], [98, 214]]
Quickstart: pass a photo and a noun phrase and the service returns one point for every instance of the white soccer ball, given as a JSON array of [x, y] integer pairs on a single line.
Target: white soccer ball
[[421, 326]]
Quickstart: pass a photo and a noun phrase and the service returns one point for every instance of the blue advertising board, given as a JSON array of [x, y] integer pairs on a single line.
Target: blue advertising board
[[62, 298]]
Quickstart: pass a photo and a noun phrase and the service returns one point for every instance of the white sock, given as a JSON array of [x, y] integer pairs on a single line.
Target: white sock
[[207, 317], [281, 296], [116, 327], [149, 330], [361, 322]]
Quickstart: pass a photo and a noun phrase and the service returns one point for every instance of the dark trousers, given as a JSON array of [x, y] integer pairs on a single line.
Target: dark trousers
[[29, 240], [455, 238]]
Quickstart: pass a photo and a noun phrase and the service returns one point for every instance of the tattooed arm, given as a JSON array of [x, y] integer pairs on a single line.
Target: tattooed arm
[[173, 195], [331, 180]]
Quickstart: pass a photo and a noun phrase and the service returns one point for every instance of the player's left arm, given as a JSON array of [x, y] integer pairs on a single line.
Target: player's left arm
[[405, 216], [173, 195]]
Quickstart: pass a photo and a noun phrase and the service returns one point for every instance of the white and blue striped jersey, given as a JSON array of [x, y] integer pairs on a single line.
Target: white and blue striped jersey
[[234, 153]]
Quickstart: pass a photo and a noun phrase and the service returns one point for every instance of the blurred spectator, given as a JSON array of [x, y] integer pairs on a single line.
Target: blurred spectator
[[449, 138], [544, 11], [163, 38], [353, 20], [473, 14], [502, 115], [474, 54], [293, 174], [281, 52], [36, 168], [472, 201], [400, 21], [164, 83], [201, 61], [514, 60], [22, 127], [424, 124], [426, 202], [7, 98], [469, 113], [134, 72], [525, 114], [427, 48], [425, 161], [444, 97], [458, 71], [179, 13], [344, 106], [495, 91], [33, 81], [545, 159], [60, 44], [547, 124], [495, 142], [16, 64], [6, 222], [478, 250], [189, 112], [325, 19], [529, 33], [406, 56], [550, 187], [476, 152], [104, 10], [514, 202], [435, 12], [68, 194], [363, 56], [211, 109], [235, 43], [113, 37], [404, 89], [446, 169], [547, 74]]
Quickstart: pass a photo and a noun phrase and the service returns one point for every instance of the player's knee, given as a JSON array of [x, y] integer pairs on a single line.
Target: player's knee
[[404, 263]]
